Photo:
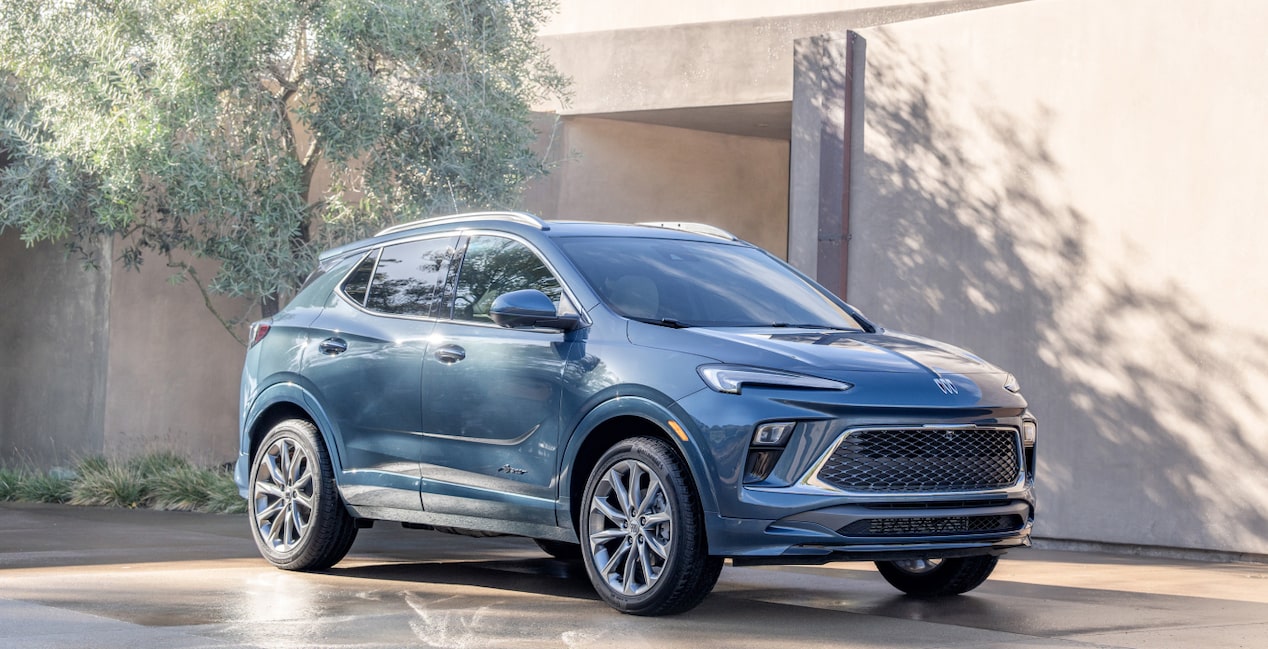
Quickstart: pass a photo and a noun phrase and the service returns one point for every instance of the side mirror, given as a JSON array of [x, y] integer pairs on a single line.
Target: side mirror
[[527, 309]]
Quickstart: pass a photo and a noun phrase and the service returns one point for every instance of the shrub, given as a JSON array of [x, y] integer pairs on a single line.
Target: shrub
[[111, 485], [43, 488]]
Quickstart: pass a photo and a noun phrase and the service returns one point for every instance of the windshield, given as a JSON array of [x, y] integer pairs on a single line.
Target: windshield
[[701, 284]]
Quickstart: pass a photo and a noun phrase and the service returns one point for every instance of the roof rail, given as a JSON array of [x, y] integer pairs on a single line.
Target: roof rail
[[518, 217], [694, 228]]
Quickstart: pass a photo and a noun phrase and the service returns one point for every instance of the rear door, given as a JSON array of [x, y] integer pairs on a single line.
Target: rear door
[[364, 361]]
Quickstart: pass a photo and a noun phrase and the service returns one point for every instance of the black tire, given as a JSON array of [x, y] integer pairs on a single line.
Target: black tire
[[291, 474], [937, 578], [561, 550], [668, 519]]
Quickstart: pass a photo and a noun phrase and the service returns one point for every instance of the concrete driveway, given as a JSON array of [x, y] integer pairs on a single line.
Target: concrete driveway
[[102, 578]]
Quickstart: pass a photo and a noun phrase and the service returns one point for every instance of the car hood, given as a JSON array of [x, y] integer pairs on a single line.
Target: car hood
[[831, 354]]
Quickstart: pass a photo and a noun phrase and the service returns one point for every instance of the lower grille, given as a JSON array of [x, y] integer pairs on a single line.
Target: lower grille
[[932, 526], [915, 460]]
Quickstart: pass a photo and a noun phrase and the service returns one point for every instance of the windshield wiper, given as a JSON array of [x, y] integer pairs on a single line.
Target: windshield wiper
[[663, 322], [810, 326]]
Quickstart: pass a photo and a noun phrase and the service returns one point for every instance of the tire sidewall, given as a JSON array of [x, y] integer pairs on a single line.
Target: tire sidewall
[[302, 434], [638, 449]]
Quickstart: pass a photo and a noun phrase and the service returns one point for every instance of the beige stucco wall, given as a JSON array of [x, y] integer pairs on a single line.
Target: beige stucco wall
[[172, 383], [110, 362], [53, 366], [1075, 190], [734, 59], [609, 170], [601, 15]]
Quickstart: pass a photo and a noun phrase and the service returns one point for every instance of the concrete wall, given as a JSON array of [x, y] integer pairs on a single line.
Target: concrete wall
[[609, 170], [53, 365], [602, 15], [173, 371], [1075, 190], [726, 62], [110, 361]]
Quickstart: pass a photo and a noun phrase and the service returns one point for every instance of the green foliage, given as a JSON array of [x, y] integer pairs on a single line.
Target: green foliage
[[92, 464], [109, 486], [202, 126], [9, 479], [159, 480], [182, 488], [154, 464], [43, 488]]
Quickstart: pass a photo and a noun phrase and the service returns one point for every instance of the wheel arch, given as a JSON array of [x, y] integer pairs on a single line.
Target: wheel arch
[[283, 401], [618, 419]]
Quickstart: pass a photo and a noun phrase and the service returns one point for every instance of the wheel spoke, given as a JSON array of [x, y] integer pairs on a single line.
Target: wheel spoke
[[604, 536], [305, 500], [305, 479], [299, 466], [615, 558], [275, 527], [627, 577], [656, 546], [608, 510], [653, 490], [288, 529], [634, 487], [654, 519], [268, 489], [269, 511], [275, 473], [284, 459], [618, 488], [646, 565], [298, 525]]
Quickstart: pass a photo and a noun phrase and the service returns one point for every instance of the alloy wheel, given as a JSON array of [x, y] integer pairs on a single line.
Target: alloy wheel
[[631, 528], [283, 495]]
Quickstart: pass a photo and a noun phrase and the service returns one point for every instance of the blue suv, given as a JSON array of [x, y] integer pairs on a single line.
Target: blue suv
[[648, 399]]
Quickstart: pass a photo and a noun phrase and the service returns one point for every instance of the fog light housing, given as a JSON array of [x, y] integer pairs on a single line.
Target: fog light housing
[[765, 449], [773, 434], [1029, 431]]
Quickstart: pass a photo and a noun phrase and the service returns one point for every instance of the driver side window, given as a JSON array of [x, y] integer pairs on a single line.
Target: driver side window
[[496, 265]]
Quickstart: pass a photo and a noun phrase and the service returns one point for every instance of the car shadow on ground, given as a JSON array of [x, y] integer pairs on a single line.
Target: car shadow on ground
[[532, 576]]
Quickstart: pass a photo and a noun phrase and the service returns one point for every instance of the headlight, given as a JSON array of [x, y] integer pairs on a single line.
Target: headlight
[[730, 378], [1011, 384]]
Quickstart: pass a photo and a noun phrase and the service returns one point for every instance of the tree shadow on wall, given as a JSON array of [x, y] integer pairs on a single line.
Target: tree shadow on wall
[[964, 229]]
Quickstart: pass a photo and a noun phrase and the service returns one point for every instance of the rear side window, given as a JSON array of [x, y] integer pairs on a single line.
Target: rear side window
[[358, 282], [407, 276], [496, 265], [317, 289]]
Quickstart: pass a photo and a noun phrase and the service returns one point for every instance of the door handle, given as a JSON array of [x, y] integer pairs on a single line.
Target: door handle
[[332, 346], [450, 354]]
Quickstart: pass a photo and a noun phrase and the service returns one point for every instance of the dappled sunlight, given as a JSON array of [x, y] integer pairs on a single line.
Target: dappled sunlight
[[1150, 410]]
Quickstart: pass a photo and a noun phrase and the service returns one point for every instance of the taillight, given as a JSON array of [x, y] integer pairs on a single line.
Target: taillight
[[258, 331]]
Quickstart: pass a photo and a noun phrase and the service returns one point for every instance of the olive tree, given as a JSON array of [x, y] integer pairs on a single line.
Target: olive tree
[[255, 132]]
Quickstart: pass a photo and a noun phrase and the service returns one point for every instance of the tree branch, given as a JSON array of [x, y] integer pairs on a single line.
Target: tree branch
[[193, 275]]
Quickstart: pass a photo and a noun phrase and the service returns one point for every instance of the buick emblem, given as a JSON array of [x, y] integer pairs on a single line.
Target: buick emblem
[[946, 386]]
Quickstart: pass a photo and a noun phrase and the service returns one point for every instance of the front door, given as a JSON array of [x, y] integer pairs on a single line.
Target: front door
[[491, 410]]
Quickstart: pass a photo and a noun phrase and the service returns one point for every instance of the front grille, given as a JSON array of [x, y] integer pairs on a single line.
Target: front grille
[[932, 526], [916, 460]]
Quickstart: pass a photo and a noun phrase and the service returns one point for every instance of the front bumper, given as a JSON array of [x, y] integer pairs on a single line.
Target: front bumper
[[793, 516], [833, 534]]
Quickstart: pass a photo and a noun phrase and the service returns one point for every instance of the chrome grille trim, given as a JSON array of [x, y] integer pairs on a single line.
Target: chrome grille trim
[[1001, 478]]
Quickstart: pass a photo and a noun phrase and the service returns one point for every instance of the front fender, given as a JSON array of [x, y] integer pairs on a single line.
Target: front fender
[[659, 415]]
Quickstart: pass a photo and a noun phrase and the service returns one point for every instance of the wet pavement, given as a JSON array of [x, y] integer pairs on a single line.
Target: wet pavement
[[102, 578]]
